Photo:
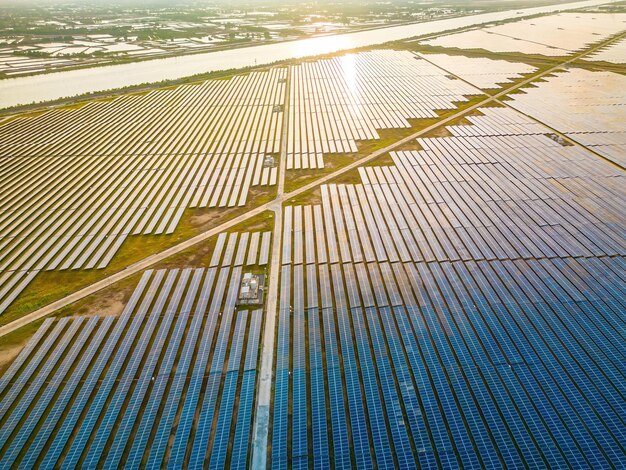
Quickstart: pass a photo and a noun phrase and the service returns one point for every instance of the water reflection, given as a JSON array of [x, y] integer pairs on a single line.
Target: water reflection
[[318, 46]]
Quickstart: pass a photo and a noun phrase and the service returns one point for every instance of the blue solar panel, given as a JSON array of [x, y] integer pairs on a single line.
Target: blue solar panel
[[380, 437], [186, 419], [205, 420], [356, 409], [25, 354], [299, 436], [44, 399], [63, 399], [38, 382], [207, 410], [222, 432], [141, 436], [252, 345], [447, 399], [239, 456], [146, 375], [279, 419], [62, 435], [228, 395], [90, 420], [126, 381], [321, 456], [159, 443], [282, 346]]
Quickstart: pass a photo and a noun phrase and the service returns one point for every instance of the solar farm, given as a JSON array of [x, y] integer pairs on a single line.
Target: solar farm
[[584, 106], [339, 101], [108, 367], [615, 53], [552, 35], [452, 302], [447, 289]]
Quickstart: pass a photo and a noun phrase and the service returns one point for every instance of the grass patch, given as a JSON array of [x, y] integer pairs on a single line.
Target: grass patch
[[108, 301], [200, 254], [334, 161], [600, 65], [311, 197]]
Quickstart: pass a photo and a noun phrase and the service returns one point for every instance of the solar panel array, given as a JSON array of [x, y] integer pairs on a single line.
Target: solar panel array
[[552, 35], [479, 71], [336, 102], [614, 53], [189, 146], [239, 249], [461, 309], [588, 107], [170, 382], [158, 154]]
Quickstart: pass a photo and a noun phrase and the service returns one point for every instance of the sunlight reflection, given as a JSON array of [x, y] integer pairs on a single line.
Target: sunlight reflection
[[348, 64], [324, 45]]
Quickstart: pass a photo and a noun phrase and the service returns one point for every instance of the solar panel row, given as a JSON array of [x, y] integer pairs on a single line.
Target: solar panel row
[[552, 35], [205, 146], [19, 411], [241, 249], [163, 152], [480, 71], [587, 106], [336, 102], [117, 384], [50, 424], [463, 309], [464, 362], [25, 353]]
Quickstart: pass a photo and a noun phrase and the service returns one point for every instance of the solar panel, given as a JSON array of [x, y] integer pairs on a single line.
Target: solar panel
[[217, 251], [114, 407], [159, 443], [224, 418], [26, 374], [208, 406], [63, 399], [25, 353], [159, 384], [44, 399], [239, 455], [265, 248]]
